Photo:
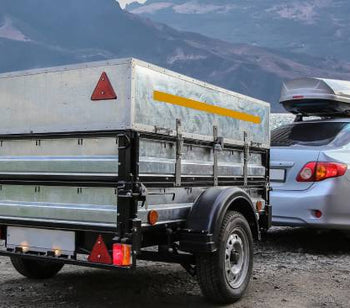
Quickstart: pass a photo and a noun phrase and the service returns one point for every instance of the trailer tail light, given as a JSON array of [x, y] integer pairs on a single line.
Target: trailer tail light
[[259, 206], [122, 254], [319, 171], [99, 253], [152, 217], [25, 248]]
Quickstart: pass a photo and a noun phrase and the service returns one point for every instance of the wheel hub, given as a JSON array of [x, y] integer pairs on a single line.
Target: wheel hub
[[234, 256], [235, 260]]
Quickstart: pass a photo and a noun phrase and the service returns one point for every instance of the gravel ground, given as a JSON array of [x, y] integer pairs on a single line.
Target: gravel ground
[[293, 268]]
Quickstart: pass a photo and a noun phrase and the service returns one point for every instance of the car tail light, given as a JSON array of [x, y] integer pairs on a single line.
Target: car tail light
[[307, 173], [121, 254], [319, 171], [317, 213]]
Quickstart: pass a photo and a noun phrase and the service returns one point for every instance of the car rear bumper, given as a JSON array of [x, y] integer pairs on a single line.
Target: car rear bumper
[[297, 208]]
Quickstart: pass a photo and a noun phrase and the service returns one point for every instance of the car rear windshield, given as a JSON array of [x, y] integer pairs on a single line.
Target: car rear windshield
[[306, 134]]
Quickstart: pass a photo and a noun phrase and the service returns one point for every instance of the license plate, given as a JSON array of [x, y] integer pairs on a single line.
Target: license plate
[[41, 240], [277, 175]]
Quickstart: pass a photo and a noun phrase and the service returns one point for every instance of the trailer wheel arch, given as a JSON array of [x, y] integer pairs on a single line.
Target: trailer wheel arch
[[246, 208], [207, 214]]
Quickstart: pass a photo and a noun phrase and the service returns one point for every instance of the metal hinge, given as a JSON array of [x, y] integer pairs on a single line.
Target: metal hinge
[[218, 145], [246, 158], [179, 146]]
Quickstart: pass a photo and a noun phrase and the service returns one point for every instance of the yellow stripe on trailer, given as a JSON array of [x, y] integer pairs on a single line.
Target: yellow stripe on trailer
[[193, 104]]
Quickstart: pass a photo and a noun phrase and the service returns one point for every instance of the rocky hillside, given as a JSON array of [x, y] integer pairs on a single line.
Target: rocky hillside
[[315, 27], [41, 33]]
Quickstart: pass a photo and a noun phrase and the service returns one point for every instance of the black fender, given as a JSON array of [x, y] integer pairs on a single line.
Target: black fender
[[206, 216]]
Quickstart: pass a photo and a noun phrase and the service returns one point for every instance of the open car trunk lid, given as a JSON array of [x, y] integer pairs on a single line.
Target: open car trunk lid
[[316, 97]]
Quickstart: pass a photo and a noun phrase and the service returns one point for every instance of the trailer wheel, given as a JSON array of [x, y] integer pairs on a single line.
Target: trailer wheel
[[35, 269], [224, 275]]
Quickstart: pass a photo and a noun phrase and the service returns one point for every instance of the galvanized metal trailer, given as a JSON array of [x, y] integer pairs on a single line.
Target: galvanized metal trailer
[[100, 161]]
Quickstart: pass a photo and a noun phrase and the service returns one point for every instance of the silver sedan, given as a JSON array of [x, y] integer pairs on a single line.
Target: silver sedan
[[310, 174]]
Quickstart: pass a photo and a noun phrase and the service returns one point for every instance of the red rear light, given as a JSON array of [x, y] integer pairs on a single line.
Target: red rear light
[[319, 171], [317, 213], [121, 254], [307, 173], [298, 96]]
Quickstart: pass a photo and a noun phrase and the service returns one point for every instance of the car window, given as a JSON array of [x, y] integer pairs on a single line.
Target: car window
[[343, 138], [308, 134]]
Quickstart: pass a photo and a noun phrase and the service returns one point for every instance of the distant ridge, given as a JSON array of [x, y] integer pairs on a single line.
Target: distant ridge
[[40, 33], [315, 27]]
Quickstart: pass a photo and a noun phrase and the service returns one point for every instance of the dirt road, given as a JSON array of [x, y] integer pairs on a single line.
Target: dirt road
[[293, 268]]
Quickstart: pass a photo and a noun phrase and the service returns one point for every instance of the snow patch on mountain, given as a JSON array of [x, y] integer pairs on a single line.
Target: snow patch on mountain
[[179, 55], [186, 8], [152, 8], [124, 3], [303, 11], [194, 7], [8, 31]]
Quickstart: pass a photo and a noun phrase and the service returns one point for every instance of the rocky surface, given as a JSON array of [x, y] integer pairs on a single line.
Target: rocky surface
[[293, 268]]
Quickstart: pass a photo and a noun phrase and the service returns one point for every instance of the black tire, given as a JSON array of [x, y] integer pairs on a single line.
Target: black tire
[[35, 269], [214, 278]]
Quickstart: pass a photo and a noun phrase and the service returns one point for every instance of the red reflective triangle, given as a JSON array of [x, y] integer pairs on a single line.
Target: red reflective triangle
[[99, 253], [104, 89]]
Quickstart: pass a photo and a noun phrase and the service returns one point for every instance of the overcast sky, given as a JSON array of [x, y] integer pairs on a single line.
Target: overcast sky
[[125, 2]]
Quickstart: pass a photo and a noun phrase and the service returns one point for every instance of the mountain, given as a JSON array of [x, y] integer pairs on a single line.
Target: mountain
[[315, 27], [40, 33]]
